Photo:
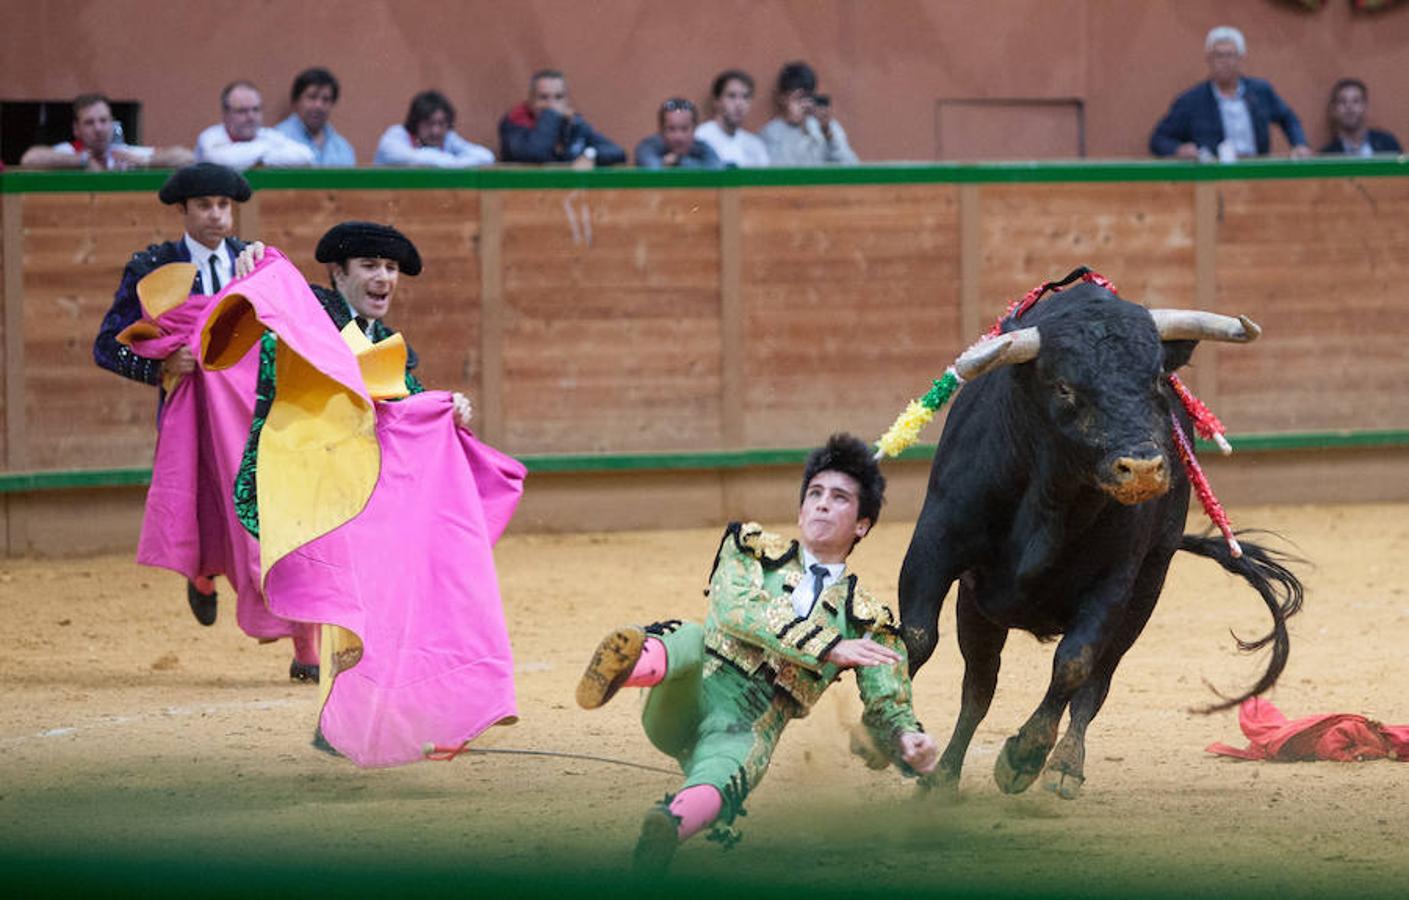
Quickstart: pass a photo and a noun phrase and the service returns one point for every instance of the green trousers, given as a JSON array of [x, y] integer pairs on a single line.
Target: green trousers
[[718, 723]]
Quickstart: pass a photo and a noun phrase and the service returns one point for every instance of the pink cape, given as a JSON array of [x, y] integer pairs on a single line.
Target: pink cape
[[1343, 737], [189, 524], [412, 574]]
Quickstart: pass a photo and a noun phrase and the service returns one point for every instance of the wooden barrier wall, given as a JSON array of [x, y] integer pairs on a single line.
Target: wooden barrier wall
[[590, 314]]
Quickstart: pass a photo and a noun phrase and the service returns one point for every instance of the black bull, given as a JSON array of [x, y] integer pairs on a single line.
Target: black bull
[[1057, 500]]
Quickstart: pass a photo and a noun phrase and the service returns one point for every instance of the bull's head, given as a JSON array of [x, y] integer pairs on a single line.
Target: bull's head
[[1094, 369]]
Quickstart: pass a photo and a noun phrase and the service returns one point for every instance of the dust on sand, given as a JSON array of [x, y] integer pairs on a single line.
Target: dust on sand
[[132, 739]]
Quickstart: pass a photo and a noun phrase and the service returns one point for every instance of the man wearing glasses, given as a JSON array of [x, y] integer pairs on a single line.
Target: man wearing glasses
[[674, 145], [240, 139]]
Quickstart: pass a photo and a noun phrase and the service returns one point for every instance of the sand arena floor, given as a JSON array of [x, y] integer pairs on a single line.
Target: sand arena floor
[[132, 738]]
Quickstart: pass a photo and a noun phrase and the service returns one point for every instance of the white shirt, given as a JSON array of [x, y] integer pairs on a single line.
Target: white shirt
[[397, 148], [269, 148], [742, 148], [144, 154], [1237, 121], [201, 256], [802, 594]]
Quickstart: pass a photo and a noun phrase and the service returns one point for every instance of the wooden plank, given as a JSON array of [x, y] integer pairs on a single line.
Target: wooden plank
[[611, 320], [490, 400], [852, 299], [731, 320], [11, 332], [1321, 265], [974, 319], [76, 245], [1203, 375]]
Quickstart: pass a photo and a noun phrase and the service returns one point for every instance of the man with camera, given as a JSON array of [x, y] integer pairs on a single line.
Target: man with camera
[[804, 132]]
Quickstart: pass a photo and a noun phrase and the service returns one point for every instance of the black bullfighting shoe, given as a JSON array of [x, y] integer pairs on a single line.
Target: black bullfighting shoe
[[660, 838], [304, 672], [202, 604], [611, 665]]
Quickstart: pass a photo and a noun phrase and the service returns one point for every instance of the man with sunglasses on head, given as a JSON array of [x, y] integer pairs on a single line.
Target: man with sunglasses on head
[[546, 129], [674, 145]]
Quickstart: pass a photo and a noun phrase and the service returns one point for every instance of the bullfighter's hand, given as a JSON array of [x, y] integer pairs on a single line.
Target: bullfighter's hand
[[464, 412], [850, 654], [248, 259], [181, 362], [919, 751]]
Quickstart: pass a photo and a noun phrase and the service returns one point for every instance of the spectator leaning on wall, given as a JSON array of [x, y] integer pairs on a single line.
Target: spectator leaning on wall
[[240, 139], [1227, 116], [97, 144], [428, 138]]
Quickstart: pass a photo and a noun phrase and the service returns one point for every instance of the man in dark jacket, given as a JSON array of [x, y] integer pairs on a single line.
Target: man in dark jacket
[[1227, 116], [1350, 100], [546, 129], [205, 194]]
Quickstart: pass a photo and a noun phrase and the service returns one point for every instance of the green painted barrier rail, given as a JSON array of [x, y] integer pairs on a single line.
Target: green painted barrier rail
[[510, 178], [712, 460]]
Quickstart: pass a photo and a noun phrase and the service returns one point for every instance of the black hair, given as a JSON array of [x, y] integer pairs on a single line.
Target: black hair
[[851, 456], [426, 104], [1349, 82], [796, 76], [314, 77], [722, 80]]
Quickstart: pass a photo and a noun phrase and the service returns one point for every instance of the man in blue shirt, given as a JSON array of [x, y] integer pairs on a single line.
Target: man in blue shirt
[[1227, 116], [314, 94]]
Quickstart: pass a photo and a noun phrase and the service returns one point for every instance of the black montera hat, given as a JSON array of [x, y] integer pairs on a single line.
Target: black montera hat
[[352, 239], [204, 180]]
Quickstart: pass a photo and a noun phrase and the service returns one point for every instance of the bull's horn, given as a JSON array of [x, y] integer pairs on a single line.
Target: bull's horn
[[1195, 325], [1004, 350]]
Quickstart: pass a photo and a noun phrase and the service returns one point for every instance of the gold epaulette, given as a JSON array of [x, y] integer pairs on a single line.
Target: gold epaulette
[[870, 612], [764, 545]]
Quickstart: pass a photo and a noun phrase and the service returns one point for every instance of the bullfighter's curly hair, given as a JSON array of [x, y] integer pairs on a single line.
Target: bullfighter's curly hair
[[851, 456]]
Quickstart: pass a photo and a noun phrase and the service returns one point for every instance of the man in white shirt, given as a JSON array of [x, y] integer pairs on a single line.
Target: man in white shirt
[[97, 144], [240, 140], [733, 95]]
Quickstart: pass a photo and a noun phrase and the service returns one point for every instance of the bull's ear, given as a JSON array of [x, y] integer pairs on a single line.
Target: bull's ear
[[1177, 354]]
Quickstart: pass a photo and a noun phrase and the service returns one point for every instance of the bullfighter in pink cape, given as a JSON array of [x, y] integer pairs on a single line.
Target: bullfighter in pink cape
[[376, 508], [189, 524]]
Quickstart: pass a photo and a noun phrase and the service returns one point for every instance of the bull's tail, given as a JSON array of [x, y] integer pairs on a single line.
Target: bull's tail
[[1266, 570]]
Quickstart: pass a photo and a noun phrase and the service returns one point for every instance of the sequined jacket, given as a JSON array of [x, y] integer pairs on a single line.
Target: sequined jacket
[[753, 627]]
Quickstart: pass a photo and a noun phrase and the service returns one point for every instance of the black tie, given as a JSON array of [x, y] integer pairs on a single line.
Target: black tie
[[361, 324], [819, 574], [214, 276]]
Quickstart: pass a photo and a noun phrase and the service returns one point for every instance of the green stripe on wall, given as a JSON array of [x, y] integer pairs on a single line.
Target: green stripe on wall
[[509, 178], [714, 460]]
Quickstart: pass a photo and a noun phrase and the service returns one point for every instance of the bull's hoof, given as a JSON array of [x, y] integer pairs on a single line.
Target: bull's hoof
[[1064, 784], [1011, 778], [940, 787]]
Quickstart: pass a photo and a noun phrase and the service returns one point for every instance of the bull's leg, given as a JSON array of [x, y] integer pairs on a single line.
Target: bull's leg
[[981, 643], [925, 577], [1065, 772], [1076, 659]]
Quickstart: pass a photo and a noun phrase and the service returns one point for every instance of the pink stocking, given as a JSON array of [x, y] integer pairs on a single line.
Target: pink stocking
[[650, 668], [697, 806], [306, 643]]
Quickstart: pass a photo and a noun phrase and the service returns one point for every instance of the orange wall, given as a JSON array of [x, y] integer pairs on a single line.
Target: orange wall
[[886, 62]]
